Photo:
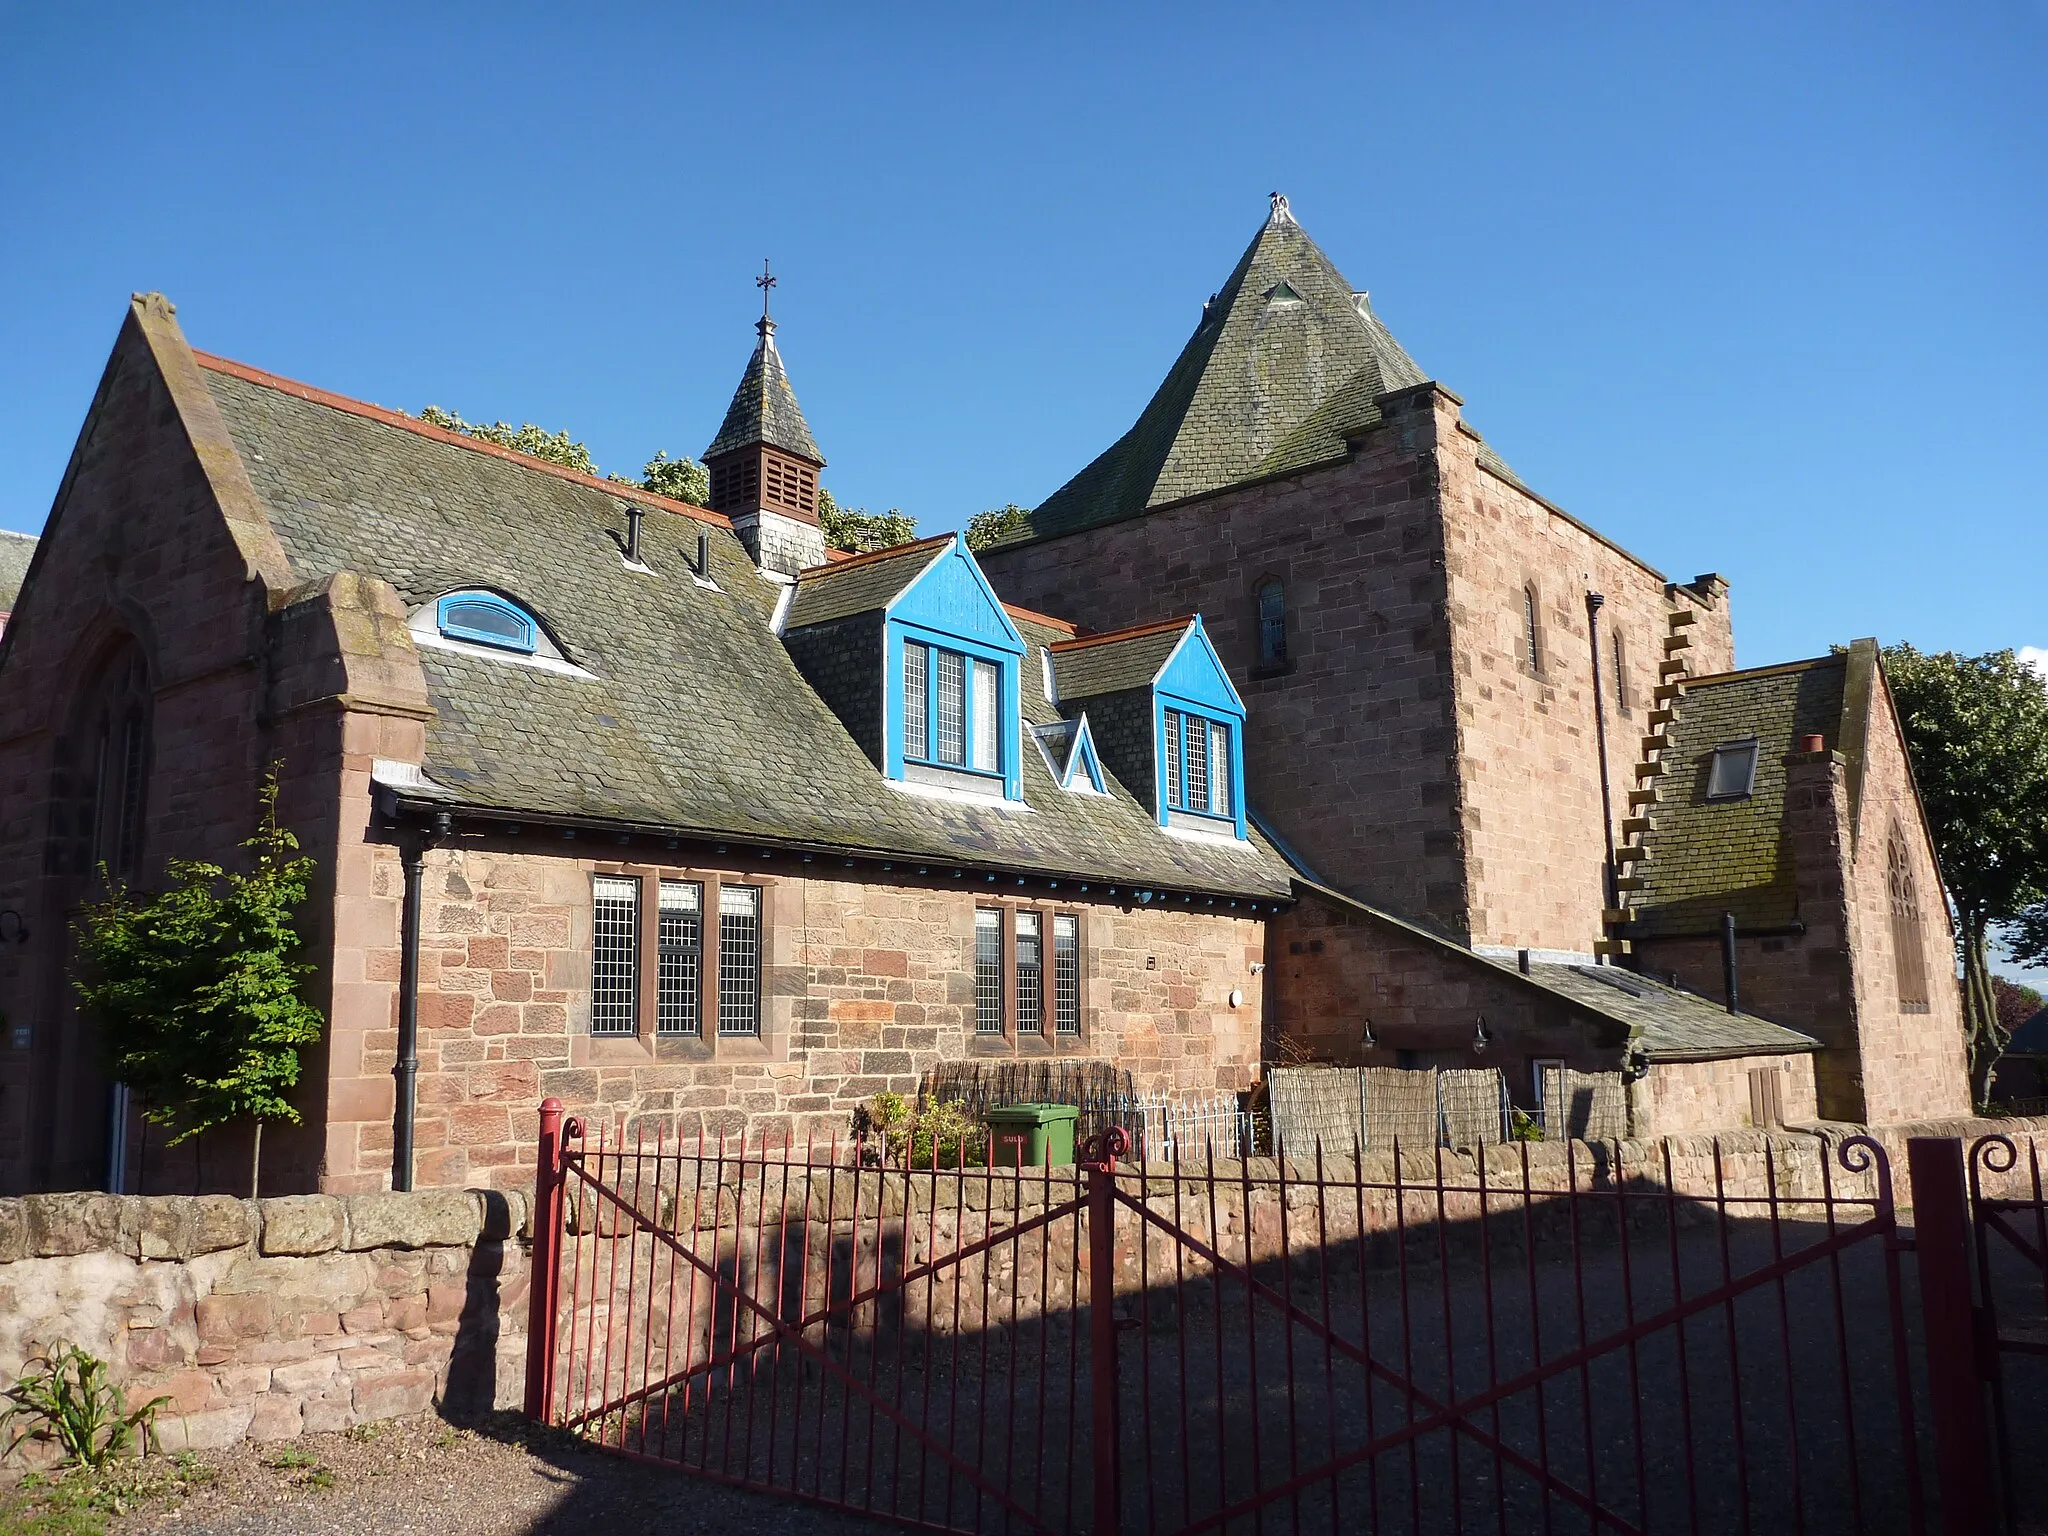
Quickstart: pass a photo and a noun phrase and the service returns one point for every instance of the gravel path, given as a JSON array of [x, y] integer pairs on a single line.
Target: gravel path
[[421, 1478]]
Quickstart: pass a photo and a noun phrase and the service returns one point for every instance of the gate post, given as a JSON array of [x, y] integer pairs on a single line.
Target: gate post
[[1100, 1156], [1955, 1383], [544, 1276]]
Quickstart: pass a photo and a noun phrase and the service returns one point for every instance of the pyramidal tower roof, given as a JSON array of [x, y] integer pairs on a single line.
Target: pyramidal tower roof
[[764, 408], [1287, 358]]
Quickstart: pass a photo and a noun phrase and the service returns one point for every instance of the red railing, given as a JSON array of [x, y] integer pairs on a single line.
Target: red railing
[[1558, 1340]]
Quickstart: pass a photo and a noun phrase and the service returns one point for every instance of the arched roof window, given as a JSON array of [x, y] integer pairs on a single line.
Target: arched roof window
[[486, 618]]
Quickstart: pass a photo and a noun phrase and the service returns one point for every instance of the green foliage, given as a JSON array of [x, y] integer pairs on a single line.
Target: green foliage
[[987, 529], [1977, 730], [196, 989], [2016, 1004], [64, 1396], [940, 1135], [681, 479], [1523, 1126], [857, 530], [555, 447]]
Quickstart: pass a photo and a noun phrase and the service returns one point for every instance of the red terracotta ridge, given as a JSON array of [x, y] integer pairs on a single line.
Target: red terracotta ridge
[[1061, 647], [869, 557], [418, 428]]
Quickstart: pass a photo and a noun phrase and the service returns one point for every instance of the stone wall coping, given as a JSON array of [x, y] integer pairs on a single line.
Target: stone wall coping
[[180, 1227]]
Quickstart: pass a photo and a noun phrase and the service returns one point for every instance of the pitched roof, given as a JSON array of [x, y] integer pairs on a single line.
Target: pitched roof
[[1706, 857], [1285, 364], [16, 550], [1662, 1022], [764, 408], [861, 584], [694, 718], [1126, 658], [1665, 1023]]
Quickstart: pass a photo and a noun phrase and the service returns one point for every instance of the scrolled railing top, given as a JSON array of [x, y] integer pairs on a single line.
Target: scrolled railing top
[[1104, 1148]]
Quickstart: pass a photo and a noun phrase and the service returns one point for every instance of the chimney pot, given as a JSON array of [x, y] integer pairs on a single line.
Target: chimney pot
[[1813, 743]]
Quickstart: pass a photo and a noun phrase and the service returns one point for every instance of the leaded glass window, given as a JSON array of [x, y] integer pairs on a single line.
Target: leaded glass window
[[988, 972], [916, 715], [1066, 974], [952, 705], [1173, 789], [1219, 769], [1197, 749], [739, 960], [1272, 623], [1030, 974], [679, 958], [987, 742], [615, 955]]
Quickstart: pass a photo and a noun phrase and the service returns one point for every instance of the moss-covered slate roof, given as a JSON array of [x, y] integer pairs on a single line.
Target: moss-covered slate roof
[[696, 720], [764, 408], [862, 584], [1286, 363], [1706, 857], [16, 550], [1099, 664]]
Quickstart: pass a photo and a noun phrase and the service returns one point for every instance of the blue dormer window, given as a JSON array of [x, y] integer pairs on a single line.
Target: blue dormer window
[[952, 709], [485, 618], [1198, 760]]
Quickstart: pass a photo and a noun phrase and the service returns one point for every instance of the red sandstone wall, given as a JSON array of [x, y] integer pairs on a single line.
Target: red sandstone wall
[[137, 548], [1914, 1063], [1682, 1097], [1527, 738], [1348, 749], [865, 987]]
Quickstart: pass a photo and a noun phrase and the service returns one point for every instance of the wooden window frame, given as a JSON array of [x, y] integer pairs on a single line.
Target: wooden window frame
[[1039, 1036]]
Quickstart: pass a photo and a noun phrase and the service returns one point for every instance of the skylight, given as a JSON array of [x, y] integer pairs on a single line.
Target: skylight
[[1733, 774]]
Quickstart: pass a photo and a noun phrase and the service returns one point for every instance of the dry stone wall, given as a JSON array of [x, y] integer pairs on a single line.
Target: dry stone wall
[[266, 1319]]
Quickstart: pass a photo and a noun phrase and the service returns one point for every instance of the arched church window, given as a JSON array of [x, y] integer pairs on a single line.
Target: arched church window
[[1272, 622], [1909, 958], [100, 793]]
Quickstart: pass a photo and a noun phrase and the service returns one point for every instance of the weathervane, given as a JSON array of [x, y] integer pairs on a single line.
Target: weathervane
[[766, 283]]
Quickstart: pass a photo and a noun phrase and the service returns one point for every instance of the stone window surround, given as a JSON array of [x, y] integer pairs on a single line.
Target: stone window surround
[[1045, 1041], [644, 1044]]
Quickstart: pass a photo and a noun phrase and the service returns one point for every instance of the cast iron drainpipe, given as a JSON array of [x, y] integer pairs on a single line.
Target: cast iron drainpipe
[[412, 858], [1594, 603]]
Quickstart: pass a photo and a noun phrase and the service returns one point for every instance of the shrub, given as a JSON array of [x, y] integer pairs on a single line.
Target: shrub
[[939, 1135]]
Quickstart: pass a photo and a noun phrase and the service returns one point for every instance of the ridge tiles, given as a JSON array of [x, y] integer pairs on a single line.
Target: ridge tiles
[[412, 424]]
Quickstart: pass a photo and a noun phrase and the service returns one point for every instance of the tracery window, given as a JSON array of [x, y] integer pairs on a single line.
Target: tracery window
[[1909, 958]]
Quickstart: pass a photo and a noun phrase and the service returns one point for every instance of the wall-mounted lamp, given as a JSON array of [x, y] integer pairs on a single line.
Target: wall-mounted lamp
[[13, 926], [1480, 1038], [1367, 1038]]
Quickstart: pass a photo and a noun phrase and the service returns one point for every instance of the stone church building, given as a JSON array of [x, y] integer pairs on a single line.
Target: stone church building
[[1294, 725]]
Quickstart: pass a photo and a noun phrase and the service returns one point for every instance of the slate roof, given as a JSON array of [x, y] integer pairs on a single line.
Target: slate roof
[[764, 408], [16, 550], [861, 584], [696, 721], [2031, 1038], [1706, 857], [1127, 658], [1662, 1022], [1665, 1023], [1287, 361]]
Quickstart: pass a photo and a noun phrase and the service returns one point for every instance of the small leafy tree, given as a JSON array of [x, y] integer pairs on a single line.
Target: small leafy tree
[[681, 479], [196, 988], [987, 529], [857, 530], [2016, 1004], [1977, 729], [555, 447]]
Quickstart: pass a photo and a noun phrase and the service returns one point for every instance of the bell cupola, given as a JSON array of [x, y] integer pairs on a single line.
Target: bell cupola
[[763, 462]]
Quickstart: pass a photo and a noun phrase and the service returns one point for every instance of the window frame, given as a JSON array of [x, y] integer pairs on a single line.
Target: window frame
[[749, 992], [1270, 625], [973, 658], [689, 1008], [1179, 727], [1029, 1030], [989, 981], [527, 645], [625, 999], [1727, 750], [1910, 972]]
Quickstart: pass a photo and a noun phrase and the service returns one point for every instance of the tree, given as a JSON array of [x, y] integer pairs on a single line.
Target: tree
[[681, 479], [555, 447], [2016, 1004], [987, 529], [1977, 730], [857, 530], [196, 989]]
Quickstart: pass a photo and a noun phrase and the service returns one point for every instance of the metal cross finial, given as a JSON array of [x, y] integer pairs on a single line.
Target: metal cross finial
[[765, 282]]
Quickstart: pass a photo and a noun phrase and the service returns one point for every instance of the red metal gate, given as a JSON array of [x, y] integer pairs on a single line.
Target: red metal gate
[[2011, 1237], [1549, 1339]]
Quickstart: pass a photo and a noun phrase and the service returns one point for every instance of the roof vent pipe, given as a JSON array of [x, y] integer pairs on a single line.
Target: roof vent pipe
[[634, 512], [703, 551], [1728, 976]]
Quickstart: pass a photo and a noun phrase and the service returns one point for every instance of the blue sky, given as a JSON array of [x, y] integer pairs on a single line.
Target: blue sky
[[1755, 289]]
